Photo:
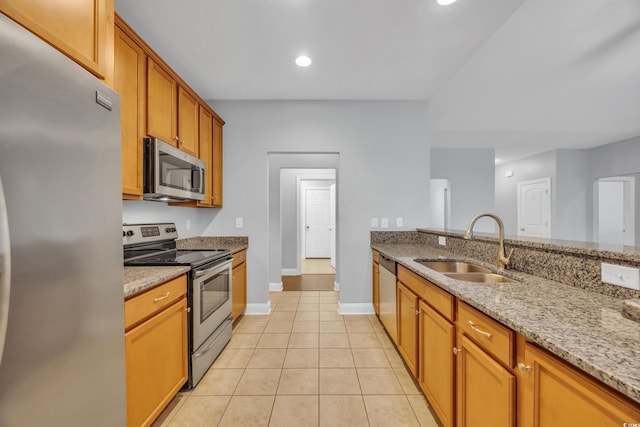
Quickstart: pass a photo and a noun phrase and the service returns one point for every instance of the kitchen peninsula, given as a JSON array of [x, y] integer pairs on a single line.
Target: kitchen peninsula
[[573, 320]]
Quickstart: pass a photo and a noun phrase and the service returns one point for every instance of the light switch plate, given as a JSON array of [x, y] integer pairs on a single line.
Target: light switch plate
[[374, 222], [627, 277], [442, 241], [399, 222], [384, 222], [239, 222]]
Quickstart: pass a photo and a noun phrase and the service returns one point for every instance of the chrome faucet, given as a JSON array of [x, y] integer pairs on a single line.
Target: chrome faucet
[[503, 258]]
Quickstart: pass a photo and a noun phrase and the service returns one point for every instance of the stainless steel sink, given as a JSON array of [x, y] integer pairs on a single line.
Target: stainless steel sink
[[453, 266], [481, 277]]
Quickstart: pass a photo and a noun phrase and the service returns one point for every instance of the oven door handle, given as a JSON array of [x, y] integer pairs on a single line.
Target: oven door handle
[[212, 270]]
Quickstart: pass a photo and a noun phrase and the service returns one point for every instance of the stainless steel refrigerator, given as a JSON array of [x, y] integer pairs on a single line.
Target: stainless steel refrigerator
[[61, 287]]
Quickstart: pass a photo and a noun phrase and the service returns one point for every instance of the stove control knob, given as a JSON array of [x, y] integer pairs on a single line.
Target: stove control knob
[[168, 230], [123, 233], [130, 233]]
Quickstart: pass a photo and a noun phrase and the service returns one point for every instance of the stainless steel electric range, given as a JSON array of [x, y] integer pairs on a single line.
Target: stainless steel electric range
[[208, 288]]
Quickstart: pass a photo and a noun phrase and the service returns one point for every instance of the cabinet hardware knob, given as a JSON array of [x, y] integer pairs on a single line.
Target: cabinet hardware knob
[[181, 142], [525, 369], [165, 296], [456, 350], [175, 138], [478, 330], [417, 312], [412, 306]]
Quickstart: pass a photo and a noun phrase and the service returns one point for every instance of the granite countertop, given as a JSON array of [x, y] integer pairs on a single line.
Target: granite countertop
[[139, 279], [232, 243], [586, 329]]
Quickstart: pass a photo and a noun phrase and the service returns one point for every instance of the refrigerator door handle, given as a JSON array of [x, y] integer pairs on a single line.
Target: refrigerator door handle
[[5, 270]]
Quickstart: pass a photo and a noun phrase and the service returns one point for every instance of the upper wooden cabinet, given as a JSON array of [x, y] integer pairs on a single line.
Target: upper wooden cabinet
[[157, 102], [81, 29], [130, 77], [172, 113], [216, 174], [162, 112]]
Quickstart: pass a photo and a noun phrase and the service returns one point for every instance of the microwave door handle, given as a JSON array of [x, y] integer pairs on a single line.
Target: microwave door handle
[[5, 270], [203, 174]]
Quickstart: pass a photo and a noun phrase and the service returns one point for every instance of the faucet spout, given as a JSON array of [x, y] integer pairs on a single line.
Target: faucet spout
[[503, 258]]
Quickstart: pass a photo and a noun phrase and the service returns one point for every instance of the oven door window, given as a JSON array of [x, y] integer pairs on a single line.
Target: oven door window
[[214, 292]]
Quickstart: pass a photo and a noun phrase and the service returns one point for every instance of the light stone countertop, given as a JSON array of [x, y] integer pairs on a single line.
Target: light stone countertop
[[140, 279], [586, 329]]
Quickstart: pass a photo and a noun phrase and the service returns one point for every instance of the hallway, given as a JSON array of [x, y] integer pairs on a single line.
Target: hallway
[[304, 365]]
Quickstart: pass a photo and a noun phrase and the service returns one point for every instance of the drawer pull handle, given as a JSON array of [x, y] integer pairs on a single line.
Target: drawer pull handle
[[165, 296], [525, 369], [478, 330]]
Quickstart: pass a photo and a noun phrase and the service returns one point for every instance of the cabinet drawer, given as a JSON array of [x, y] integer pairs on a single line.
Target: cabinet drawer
[[239, 258], [437, 298], [152, 301], [494, 337], [376, 256]]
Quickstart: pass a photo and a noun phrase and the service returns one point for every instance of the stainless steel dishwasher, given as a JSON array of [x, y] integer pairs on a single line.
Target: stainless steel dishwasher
[[388, 295]]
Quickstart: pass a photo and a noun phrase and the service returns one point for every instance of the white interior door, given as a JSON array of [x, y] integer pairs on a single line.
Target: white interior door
[[534, 208], [332, 223], [318, 223], [616, 213]]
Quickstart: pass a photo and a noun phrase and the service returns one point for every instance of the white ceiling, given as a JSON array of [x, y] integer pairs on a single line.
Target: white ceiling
[[521, 76]]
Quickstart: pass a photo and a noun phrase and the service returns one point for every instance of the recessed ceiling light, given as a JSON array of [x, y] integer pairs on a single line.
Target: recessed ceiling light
[[446, 2], [303, 61]]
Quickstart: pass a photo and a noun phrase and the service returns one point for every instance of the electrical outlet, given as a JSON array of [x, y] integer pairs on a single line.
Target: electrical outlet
[[239, 222], [399, 222], [442, 241], [384, 222], [622, 276], [374, 222]]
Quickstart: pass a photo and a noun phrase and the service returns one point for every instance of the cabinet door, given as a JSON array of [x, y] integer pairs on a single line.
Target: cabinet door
[[79, 29], [376, 288], [408, 327], [559, 395], [161, 104], [156, 363], [217, 164], [130, 82], [485, 389], [187, 122], [206, 141], [437, 362], [239, 292]]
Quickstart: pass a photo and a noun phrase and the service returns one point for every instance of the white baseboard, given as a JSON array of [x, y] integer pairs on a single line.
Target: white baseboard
[[290, 272], [275, 287], [254, 309], [336, 287], [355, 308]]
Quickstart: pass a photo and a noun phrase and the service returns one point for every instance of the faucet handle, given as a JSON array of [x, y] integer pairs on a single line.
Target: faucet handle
[[510, 253]]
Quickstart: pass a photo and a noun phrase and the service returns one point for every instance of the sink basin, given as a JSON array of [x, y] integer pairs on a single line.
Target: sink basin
[[453, 267], [481, 277]]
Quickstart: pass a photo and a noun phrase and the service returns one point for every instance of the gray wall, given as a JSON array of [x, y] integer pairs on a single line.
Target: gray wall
[[138, 212], [471, 181], [572, 187], [383, 170]]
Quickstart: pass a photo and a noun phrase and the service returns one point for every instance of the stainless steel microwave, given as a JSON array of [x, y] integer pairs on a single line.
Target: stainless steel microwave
[[170, 174]]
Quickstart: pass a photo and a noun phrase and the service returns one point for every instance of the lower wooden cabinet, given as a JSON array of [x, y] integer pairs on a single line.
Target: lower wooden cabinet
[[556, 394], [486, 391], [239, 284], [156, 350], [408, 327], [437, 362]]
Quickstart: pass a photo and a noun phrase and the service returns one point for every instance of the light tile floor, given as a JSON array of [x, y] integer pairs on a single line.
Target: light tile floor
[[304, 365]]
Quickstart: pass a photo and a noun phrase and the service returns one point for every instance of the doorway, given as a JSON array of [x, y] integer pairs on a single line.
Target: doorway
[[616, 210], [308, 237]]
